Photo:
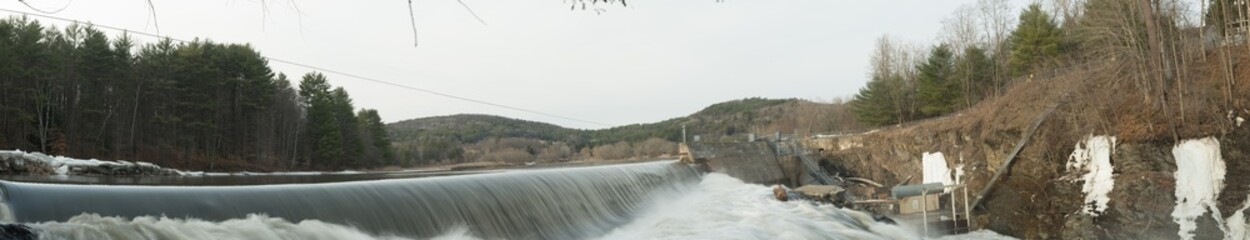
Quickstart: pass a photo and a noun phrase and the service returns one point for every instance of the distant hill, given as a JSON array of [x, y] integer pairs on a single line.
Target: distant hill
[[460, 138], [470, 128]]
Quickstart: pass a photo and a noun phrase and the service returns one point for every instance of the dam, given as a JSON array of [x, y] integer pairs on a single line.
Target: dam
[[626, 201]]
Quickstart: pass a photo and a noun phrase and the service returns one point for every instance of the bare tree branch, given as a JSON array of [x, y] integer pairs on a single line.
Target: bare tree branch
[[466, 7], [45, 11], [155, 21], [413, 19]]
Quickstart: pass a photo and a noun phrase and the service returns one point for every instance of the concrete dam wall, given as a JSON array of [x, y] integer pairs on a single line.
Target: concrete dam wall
[[753, 162]]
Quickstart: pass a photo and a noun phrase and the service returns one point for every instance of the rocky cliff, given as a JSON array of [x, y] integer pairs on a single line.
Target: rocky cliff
[[1055, 189]]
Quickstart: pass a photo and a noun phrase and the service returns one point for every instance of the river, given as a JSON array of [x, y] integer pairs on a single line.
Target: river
[[652, 200]]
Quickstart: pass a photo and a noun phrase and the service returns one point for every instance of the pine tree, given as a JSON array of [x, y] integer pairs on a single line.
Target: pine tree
[[1037, 39], [76, 91], [22, 53], [323, 131], [936, 88], [377, 144], [345, 123], [875, 104], [92, 106], [974, 72]]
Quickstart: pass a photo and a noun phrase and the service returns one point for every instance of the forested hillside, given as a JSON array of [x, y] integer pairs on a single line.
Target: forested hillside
[[75, 91], [1151, 55], [1034, 89], [976, 59], [469, 138]]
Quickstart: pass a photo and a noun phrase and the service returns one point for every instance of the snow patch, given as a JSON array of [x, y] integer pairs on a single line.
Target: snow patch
[[1237, 223], [1232, 115], [1199, 178], [959, 173], [61, 164], [959, 170], [843, 145], [1093, 157], [935, 169], [247, 173]]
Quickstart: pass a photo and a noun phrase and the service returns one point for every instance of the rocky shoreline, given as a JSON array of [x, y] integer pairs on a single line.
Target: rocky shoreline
[[1042, 195], [23, 163]]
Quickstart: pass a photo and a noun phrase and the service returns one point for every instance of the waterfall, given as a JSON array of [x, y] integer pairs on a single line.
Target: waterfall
[[571, 203]]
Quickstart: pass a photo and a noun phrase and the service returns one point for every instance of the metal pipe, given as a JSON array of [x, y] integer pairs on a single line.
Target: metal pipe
[[865, 181], [967, 210], [954, 214], [1011, 158], [924, 210]]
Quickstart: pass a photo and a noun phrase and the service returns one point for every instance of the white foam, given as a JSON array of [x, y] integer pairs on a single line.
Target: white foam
[[977, 235], [255, 226], [459, 232], [1199, 178], [1093, 158], [722, 207], [935, 169]]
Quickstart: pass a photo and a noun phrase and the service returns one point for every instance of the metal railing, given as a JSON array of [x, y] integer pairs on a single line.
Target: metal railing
[[792, 147]]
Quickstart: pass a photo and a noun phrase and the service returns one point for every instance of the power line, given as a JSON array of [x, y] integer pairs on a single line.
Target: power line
[[293, 63]]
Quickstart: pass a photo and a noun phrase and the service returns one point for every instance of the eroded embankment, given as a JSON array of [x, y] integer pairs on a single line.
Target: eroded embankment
[[1089, 171]]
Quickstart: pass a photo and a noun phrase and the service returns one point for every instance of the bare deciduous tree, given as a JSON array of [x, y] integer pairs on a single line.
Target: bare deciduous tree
[[996, 20], [962, 29]]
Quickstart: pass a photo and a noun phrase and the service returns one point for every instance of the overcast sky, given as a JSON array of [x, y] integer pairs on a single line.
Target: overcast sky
[[647, 62]]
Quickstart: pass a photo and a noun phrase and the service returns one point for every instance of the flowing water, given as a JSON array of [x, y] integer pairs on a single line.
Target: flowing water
[[656, 200]]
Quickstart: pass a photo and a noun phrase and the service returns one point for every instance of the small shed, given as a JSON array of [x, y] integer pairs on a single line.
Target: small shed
[[917, 198]]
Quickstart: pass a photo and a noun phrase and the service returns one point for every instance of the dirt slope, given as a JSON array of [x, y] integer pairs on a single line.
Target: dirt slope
[[1039, 197]]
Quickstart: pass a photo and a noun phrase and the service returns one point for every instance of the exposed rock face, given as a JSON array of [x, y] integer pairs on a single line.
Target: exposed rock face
[[17, 232], [1235, 149], [132, 169], [1040, 198], [18, 164]]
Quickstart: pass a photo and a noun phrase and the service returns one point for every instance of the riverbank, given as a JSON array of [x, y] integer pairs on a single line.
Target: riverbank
[[1102, 165], [18, 162], [38, 167]]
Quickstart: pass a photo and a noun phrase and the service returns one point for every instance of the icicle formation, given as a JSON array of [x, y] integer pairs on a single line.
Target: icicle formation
[[1093, 158]]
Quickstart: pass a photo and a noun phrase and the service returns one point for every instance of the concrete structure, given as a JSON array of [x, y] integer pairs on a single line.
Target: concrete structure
[[918, 204], [753, 162]]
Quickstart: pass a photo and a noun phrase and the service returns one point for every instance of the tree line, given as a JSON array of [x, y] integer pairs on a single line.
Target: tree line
[[469, 137], [975, 61], [1145, 44], [75, 91]]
